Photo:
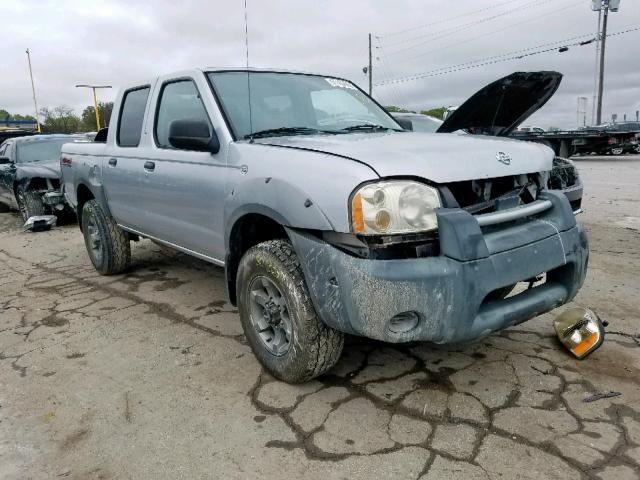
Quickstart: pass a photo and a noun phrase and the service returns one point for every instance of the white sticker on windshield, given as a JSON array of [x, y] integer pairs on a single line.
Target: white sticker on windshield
[[335, 82]]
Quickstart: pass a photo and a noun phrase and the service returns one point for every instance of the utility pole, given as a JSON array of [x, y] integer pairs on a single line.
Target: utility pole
[[95, 100], [33, 90], [595, 75], [605, 17], [370, 70]]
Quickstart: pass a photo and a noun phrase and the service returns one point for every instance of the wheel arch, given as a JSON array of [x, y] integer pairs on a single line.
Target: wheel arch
[[84, 193], [249, 228]]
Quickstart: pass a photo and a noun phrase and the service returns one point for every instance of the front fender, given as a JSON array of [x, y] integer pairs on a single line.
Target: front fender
[[281, 201]]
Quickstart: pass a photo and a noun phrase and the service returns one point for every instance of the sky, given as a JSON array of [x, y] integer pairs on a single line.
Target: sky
[[116, 42]]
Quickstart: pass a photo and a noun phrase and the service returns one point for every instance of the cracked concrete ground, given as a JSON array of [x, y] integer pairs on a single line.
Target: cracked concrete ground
[[148, 375]]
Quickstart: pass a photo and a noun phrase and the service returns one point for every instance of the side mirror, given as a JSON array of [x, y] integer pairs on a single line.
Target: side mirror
[[5, 160], [405, 123], [193, 135]]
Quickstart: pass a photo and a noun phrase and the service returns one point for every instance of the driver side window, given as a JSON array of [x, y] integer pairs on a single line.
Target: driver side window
[[179, 100]]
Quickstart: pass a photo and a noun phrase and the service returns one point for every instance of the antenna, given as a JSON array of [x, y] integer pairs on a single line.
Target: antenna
[[246, 44]]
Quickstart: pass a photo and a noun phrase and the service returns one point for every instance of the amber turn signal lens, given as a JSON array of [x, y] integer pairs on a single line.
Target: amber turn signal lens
[[584, 346], [356, 214], [580, 330]]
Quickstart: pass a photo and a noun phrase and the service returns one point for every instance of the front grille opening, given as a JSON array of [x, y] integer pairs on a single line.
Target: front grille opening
[[489, 195], [564, 275], [503, 293]]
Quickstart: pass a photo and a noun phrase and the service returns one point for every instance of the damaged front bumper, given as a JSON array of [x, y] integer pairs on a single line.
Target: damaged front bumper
[[449, 295]]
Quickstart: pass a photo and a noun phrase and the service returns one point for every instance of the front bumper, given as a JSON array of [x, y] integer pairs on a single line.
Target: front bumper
[[449, 292], [54, 198]]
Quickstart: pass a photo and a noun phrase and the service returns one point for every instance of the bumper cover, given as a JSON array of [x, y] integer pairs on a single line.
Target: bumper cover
[[449, 292]]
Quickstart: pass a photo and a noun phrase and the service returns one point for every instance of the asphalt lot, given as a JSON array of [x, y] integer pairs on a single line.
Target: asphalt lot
[[148, 375]]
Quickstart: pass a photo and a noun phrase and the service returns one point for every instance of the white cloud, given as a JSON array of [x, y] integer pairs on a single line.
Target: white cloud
[[120, 41]]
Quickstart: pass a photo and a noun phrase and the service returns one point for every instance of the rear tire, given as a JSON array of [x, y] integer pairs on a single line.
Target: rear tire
[[278, 316], [107, 244], [617, 151], [30, 203]]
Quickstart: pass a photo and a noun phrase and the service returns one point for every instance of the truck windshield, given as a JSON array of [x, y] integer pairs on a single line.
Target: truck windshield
[[295, 104], [40, 150]]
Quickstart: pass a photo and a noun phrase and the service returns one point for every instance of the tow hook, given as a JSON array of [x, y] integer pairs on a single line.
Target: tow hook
[[580, 330]]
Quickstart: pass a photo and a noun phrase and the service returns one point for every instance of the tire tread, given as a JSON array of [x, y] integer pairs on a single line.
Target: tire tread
[[325, 342], [117, 248]]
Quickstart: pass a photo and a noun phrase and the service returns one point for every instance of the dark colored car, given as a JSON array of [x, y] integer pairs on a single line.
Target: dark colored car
[[30, 174], [614, 139]]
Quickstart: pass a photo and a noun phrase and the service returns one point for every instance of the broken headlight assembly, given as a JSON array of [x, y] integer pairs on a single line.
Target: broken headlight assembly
[[394, 207], [580, 330]]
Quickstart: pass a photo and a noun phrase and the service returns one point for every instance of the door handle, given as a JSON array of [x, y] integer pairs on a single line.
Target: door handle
[[149, 166], [113, 162]]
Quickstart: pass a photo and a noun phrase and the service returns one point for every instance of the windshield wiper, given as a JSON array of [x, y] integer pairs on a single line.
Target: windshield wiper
[[282, 131], [366, 127]]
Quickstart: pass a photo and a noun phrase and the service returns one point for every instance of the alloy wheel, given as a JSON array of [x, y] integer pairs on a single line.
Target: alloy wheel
[[269, 314], [95, 242]]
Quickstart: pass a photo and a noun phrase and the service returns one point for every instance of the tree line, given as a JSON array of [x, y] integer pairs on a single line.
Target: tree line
[[63, 119], [437, 112]]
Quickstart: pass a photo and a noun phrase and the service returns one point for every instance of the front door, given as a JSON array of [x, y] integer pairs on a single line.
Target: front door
[[183, 191], [7, 175]]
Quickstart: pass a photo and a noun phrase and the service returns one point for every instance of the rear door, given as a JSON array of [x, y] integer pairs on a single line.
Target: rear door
[[183, 191], [122, 166]]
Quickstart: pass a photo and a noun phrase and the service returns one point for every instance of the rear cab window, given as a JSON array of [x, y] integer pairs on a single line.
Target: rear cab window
[[134, 104]]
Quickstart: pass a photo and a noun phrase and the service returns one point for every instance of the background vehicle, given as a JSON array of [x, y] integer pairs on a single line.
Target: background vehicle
[[30, 174], [528, 129], [418, 121], [327, 216]]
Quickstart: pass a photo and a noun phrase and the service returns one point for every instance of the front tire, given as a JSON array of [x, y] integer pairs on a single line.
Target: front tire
[[107, 244], [30, 203], [278, 316]]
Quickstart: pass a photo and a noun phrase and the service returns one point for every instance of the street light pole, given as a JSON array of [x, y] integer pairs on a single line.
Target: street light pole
[[95, 100], [603, 42], [33, 89], [595, 75]]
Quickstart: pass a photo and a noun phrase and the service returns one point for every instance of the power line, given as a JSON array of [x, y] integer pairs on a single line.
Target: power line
[[493, 32], [496, 59], [445, 20], [456, 28], [396, 93]]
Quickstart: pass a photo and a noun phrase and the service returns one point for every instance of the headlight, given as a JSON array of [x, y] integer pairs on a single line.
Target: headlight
[[394, 206]]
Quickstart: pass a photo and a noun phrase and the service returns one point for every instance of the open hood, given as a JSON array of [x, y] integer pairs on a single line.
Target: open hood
[[501, 106]]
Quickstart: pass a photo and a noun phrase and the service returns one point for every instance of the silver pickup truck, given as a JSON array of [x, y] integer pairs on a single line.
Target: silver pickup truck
[[327, 216]]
